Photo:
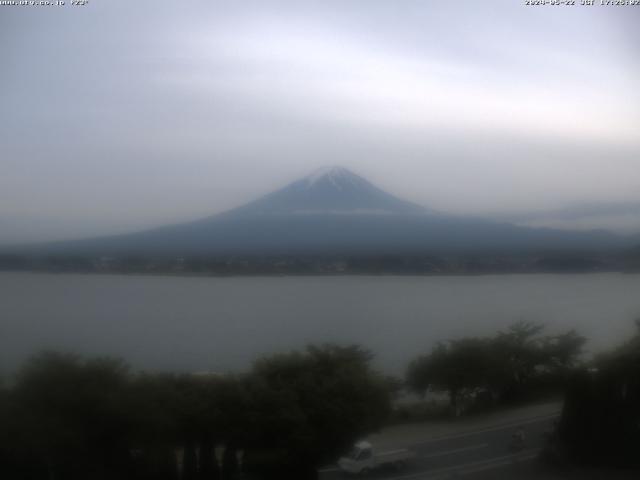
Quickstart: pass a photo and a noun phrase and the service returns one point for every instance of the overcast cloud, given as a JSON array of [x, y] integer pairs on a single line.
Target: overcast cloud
[[122, 115]]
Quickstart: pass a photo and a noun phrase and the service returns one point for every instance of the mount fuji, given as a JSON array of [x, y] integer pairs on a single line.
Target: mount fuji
[[335, 211]]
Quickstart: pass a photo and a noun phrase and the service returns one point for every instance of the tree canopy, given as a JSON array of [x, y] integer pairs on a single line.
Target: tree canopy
[[501, 366], [70, 418]]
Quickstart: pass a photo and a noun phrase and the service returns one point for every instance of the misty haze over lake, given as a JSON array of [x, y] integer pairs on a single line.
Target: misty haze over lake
[[223, 324]]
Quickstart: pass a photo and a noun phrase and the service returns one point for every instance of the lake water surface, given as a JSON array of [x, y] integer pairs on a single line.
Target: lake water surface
[[223, 324]]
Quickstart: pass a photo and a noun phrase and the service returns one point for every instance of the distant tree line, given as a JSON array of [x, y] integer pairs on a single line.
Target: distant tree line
[[416, 263]]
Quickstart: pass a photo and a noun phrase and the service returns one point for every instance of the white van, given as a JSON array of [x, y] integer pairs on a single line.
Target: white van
[[363, 458]]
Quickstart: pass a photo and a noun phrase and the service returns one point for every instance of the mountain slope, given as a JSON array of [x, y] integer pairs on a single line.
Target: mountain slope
[[335, 211]]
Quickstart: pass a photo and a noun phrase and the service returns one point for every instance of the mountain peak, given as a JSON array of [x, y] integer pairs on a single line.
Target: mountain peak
[[333, 173], [331, 190]]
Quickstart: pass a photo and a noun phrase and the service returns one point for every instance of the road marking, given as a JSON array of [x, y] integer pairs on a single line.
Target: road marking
[[513, 457], [456, 450], [524, 458], [504, 426], [432, 455], [472, 467], [329, 470]]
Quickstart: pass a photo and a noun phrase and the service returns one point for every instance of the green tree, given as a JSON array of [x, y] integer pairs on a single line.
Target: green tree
[[600, 421], [561, 353], [504, 367], [518, 354], [315, 404], [70, 414], [458, 367]]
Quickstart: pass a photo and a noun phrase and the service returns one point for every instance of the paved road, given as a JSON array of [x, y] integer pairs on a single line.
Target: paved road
[[465, 454]]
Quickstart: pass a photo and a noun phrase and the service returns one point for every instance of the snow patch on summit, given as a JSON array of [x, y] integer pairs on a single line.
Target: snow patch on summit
[[330, 190], [336, 175]]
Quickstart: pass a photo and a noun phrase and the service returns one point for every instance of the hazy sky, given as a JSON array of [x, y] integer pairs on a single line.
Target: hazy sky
[[121, 115]]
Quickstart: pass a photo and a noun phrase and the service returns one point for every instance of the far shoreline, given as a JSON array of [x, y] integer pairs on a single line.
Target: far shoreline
[[318, 274]]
